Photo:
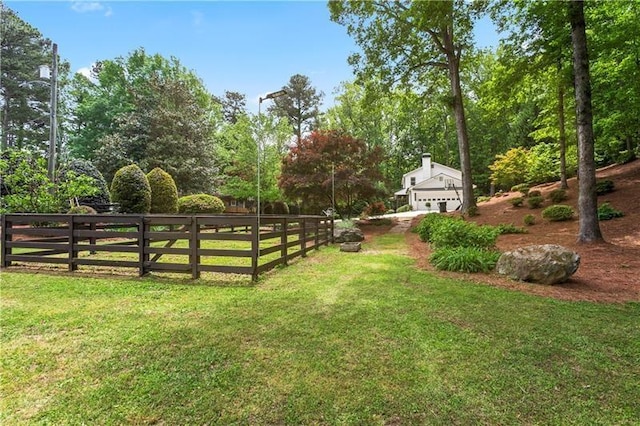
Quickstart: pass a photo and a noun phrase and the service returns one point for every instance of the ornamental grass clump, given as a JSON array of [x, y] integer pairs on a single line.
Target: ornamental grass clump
[[465, 259], [558, 213]]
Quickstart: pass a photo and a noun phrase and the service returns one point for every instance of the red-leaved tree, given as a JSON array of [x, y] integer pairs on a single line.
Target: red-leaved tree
[[328, 161]]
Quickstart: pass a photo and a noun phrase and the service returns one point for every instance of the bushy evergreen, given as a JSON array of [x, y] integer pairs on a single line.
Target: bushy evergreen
[[200, 203], [164, 193], [130, 189]]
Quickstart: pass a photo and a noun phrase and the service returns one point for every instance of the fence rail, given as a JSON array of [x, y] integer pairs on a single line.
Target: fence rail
[[185, 244]]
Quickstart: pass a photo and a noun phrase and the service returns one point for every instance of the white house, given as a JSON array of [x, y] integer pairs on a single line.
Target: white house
[[427, 187]]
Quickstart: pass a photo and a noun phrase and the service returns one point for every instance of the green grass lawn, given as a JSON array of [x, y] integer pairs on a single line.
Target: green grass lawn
[[336, 338]]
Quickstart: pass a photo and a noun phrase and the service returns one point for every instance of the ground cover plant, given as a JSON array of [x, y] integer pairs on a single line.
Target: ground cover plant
[[337, 339]]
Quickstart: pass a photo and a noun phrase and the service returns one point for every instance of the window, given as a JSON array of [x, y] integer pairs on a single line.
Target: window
[[413, 181]]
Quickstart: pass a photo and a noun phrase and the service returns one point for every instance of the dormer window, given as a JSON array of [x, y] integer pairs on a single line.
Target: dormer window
[[413, 181]]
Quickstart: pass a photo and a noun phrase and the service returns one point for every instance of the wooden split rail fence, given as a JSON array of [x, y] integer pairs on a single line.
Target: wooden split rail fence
[[164, 243]]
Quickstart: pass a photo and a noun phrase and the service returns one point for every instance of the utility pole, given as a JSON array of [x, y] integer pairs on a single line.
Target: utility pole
[[52, 114]]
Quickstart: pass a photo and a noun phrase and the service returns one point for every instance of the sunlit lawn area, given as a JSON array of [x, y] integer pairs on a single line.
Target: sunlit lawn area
[[337, 338]]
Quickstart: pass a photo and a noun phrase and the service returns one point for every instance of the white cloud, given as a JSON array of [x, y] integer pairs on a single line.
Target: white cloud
[[86, 71], [198, 18], [91, 6]]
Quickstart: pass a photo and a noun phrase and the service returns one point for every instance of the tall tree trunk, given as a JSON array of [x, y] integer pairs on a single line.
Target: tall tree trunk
[[453, 62], [587, 199], [563, 134], [5, 125]]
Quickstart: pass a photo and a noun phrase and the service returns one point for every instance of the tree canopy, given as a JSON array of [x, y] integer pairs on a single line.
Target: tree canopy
[[328, 161]]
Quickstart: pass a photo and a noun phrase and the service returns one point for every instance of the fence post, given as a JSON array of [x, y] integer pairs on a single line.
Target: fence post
[[284, 239], [6, 237], [316, 240], [255, 249], [194, 247], [303, 237], [73, 254], [333, 230], [142, 243]]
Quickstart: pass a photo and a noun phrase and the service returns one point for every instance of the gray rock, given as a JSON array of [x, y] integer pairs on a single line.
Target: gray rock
[[353, 247], [544, 264], [347, 235]]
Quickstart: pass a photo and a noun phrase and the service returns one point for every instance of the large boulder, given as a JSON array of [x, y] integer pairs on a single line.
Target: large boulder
[[544, 264], [351, 235], [350, 247]]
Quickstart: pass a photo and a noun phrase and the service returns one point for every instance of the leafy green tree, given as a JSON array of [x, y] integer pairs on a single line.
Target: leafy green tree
[[85, 168], [328, 161], [403, 41], [24, 100], [27, 188], [233, 104], [615, 75], [510, 168], [151, 111], [237, 156], [300, 105]]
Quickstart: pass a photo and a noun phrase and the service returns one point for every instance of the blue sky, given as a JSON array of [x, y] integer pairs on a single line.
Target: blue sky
[[252, 47]]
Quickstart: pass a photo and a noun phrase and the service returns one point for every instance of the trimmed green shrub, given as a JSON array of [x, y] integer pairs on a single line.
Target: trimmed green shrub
[[164, 193], [472, 211], [557, 196], [607, 212], [459, 233], [604, 187], [200, 203], [529, 220], [86, 168], [464, 259], [535, 202], [130, 189], [535, 193], [558, 213], [267, 208], [483, 199], [427, 223], [523, 188], [280, 207], [404, 208], [82, 210], [510, 228], [516, 202]]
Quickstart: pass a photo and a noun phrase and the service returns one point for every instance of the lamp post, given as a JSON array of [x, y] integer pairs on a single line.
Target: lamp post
[[271, 95]]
